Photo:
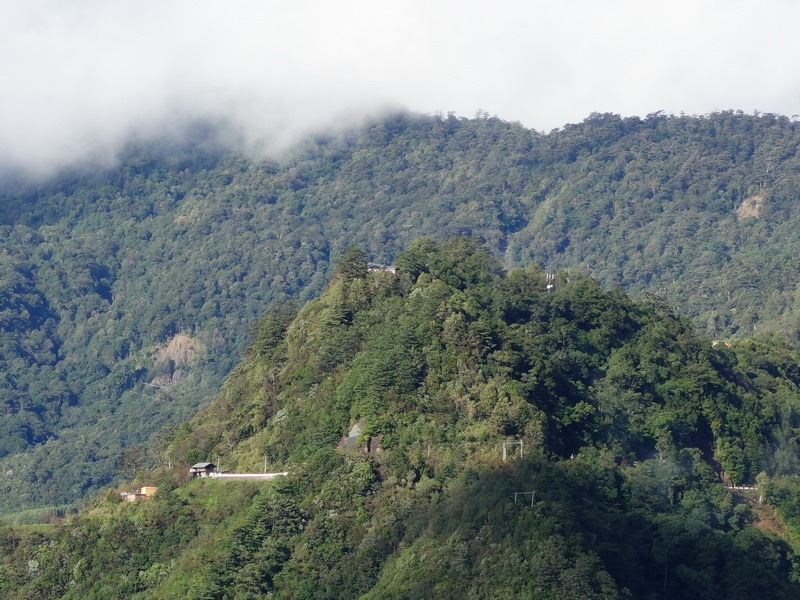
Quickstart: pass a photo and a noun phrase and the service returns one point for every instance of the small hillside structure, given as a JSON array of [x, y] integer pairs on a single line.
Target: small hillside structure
[[372, 267], [202, 469], [371, 445], [143, 493]]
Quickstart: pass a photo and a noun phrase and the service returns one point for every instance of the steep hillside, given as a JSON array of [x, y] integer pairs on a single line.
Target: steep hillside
[[619, 424], [100, 271]]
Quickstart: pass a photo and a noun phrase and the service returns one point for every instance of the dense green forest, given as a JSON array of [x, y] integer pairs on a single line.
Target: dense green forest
[[127, 296], [621, 427]]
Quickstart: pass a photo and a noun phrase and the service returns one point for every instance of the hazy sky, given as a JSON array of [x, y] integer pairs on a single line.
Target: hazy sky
[[79, 76]]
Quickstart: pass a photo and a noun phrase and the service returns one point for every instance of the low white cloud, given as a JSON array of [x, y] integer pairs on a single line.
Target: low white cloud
[[80, 77]]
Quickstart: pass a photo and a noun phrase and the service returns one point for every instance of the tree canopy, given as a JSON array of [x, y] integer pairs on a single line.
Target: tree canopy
[[127, 296], [515, 441]]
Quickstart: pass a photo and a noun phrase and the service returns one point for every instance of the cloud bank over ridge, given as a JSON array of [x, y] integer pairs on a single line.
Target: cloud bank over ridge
[[82, 77]]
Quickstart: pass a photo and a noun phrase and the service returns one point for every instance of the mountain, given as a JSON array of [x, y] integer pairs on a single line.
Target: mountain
[[453, 430], [127, 296]]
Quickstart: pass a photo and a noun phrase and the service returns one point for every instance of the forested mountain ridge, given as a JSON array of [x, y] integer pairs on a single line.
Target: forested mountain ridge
[[619, 423], [99, 272]]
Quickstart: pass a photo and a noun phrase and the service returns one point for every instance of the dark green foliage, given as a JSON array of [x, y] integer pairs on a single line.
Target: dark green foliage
[[269, 332], [620, 426], [353, 264], [101, 271]]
